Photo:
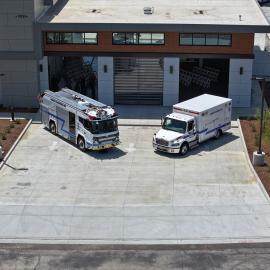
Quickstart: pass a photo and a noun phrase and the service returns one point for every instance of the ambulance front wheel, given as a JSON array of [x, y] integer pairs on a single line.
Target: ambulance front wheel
[[52, 127], [184, 149], [81, 143]]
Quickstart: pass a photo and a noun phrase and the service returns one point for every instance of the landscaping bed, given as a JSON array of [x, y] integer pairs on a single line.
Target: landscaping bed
[[251, 128], [9, 132]]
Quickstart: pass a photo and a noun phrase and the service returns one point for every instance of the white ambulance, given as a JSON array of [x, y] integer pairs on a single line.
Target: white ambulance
[[79, 119], [192, 122]]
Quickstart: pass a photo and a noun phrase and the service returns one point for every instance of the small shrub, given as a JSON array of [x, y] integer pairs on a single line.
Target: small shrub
[[4, 137], [12, 125], [18, 121], [8, 130]]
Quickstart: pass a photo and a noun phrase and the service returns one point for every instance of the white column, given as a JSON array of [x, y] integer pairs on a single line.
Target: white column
[[105, 80], [43, 74], [171, 81], [240, 84]]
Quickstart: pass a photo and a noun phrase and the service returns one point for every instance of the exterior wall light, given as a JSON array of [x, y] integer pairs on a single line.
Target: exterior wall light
[[105, 68], [241, 70], [171, 69]]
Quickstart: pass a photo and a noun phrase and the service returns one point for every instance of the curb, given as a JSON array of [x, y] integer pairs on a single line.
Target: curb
[[250, 164], [15, 144]]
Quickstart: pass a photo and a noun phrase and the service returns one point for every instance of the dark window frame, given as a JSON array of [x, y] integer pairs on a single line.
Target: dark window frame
[[138, 39], [195, 45], [72, 43]]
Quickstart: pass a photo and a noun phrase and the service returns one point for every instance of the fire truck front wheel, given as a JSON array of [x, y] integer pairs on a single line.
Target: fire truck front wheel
[[52, 127], [81, 143]]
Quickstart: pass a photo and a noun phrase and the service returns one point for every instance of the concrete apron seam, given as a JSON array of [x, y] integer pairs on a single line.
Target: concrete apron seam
[[15, 144], [140, 242], [250, 164]]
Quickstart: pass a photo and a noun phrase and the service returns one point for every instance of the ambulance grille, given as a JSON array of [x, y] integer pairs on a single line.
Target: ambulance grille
[[162, 142]]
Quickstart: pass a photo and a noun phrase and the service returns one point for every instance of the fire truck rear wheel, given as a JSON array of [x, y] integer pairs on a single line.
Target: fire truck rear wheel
[[52, 127], [81, 143]]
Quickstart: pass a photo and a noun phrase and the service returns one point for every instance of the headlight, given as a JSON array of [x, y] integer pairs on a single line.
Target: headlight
[[176, 141], [154, 138]]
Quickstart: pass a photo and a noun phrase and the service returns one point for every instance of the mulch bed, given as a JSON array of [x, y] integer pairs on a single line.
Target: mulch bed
[[13, 135], [250, 128]]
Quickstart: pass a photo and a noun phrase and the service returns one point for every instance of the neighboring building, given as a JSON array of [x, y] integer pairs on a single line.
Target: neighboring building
[[19, 74], [134, 52]]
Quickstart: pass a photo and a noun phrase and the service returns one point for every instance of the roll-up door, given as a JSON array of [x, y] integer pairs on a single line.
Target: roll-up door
[[138, 80]]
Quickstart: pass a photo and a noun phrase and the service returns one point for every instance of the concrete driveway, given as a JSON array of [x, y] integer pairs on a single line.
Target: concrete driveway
[[50, 191]]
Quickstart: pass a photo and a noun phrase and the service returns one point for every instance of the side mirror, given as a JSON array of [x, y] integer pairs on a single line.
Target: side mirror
[[162, 121]]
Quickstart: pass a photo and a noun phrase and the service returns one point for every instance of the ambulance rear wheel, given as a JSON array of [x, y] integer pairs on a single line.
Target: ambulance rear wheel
[[52, 127], [184, 149], [218, 134], [81, 143]]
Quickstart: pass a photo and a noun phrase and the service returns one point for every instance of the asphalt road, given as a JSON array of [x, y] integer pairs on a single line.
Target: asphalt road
[[69, 257]]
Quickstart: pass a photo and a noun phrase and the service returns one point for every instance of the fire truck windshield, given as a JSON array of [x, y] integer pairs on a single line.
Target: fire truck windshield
[[98, 127]]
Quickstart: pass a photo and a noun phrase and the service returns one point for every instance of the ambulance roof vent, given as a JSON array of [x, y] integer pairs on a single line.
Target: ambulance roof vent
[[148, 10]]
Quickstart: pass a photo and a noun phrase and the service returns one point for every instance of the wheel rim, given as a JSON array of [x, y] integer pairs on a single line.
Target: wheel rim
[[53, 129], [81, 144], [184, 149]]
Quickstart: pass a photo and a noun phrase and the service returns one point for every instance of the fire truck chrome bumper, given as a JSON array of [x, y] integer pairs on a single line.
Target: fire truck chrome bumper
[[166, 149], [103, 146]]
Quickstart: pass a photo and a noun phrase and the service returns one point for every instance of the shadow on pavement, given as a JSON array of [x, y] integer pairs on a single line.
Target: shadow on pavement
[[208, 146], [107, 154]]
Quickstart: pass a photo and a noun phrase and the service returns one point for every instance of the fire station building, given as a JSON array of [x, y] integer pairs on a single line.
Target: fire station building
[[133, 52]]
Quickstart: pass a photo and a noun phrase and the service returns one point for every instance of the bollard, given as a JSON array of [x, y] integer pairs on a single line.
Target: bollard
[[1, 153], [12, 114]]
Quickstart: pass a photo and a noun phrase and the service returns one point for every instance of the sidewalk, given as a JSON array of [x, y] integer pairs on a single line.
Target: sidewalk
[[150, 115]]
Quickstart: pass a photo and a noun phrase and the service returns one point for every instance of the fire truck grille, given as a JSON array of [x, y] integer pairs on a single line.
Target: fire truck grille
[[162, 142]]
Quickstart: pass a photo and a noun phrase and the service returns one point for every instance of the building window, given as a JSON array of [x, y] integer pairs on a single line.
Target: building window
[[90, 38], [211, 39], [119, 38], [132, 38], [71, 38], [186, 39], [65, 38], [145, 38], [224, 40], [201, 39], [158, 38]]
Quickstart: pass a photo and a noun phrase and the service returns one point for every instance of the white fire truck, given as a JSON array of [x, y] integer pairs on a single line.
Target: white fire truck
[[79, 119], [192, 122]]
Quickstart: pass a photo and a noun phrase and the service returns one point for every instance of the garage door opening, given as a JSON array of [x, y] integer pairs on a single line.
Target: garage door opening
[[138, 80], [203, 76], [76, 73]]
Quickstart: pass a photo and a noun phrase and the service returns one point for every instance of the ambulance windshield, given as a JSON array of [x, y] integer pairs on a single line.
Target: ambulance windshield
[[174, 125]]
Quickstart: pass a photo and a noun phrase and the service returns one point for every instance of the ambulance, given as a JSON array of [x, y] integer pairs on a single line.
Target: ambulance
[[193, 122]]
